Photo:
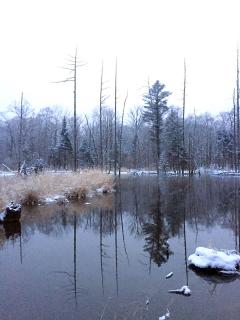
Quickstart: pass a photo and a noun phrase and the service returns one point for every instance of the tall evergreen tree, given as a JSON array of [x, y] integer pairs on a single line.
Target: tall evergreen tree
[[155, 107], [173, 140], [65, 142], [65, 147]]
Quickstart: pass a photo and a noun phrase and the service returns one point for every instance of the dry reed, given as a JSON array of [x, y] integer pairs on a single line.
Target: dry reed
[[33, 189]]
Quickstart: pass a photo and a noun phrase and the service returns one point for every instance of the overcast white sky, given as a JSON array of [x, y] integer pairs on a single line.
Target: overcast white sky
[[149, 37]]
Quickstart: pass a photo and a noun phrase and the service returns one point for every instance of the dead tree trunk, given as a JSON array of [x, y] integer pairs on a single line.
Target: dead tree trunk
[[184, 104], [20, 134], [183, 115], [72, 67], [237, 107], [121, 134], [234, 133], [75, 113], [100, 119], [115, 122]]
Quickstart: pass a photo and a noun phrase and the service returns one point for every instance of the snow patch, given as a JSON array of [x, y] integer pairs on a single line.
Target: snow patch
[[103, 189], [205, 258], [229, 273], [6, 174], [56, 198], [2, 216], [165, 316], [169, 275], [221, 172], [142, 172], [49, 200], [147, 301]]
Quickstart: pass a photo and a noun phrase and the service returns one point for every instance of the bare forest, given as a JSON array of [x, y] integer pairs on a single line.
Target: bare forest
[[152, 135]]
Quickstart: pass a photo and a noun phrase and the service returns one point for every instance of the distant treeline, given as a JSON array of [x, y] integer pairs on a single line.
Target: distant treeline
[[154, 136]]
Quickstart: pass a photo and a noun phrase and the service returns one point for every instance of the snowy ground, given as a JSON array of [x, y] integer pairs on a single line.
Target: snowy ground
[[201, 171], [7, 173], [221, 172], [143, 172]]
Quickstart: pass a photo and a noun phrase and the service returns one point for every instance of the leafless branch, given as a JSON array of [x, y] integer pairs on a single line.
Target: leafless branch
[[62, 81]]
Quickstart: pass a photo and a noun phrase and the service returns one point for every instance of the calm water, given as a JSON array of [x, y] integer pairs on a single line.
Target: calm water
[[101, 261]]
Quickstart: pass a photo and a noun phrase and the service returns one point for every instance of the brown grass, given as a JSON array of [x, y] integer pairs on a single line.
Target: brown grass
[[32, 189]]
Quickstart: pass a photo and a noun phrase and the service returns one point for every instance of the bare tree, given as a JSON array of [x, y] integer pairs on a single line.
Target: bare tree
[[102, 99], [184, 104], [72, 66], [234, 132], [100, 118], [136, 121], [115, 121], [20, 134], [121, 136], [237, 107]]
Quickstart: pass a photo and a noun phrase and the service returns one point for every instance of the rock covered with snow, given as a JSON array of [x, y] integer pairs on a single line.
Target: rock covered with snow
[[12, 213], [205, 258]]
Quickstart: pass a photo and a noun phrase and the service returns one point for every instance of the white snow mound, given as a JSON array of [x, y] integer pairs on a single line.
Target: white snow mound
[[216, 259]]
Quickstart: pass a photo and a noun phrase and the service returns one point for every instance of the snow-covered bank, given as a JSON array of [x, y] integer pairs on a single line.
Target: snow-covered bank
[[145, 172], [7, 173], [198, 172], [221, 172], [204, 258], [68, 196]]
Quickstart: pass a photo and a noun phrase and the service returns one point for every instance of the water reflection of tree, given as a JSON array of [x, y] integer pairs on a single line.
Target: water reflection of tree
[[175, 196], [156, 233], [103, 227], [12, 232], [206, 202], [72, 289]]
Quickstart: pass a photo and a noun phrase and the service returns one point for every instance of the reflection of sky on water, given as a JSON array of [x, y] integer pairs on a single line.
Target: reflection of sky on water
[[78, 262]]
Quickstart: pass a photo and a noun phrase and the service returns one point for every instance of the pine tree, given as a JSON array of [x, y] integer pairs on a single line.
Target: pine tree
[[173, 140], [65, 149], [225, 147], [155, 107]]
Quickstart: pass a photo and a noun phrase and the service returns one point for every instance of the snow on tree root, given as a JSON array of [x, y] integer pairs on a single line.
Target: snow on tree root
[[184, 290], [204, 258]]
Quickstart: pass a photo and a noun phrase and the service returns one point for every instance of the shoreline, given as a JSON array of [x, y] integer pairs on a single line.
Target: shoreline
[[49, 187]]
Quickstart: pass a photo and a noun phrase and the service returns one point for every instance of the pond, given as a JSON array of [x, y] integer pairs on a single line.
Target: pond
[[105, 258]]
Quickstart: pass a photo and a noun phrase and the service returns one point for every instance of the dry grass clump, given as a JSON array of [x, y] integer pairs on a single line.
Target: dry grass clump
[[1, 202], [32, 189], [30, 198], [76, 194]]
